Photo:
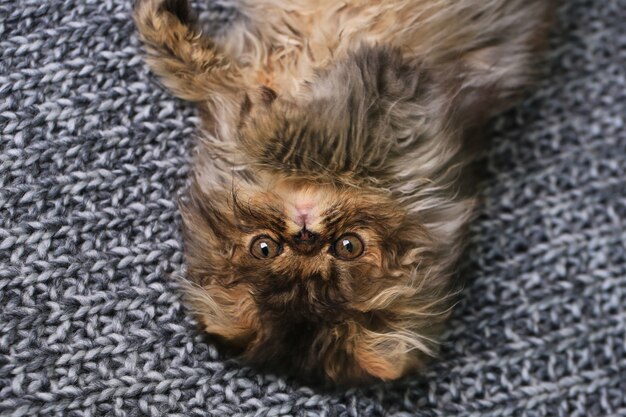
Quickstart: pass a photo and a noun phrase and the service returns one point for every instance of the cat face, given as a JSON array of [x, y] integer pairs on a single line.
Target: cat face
[[314, 279]]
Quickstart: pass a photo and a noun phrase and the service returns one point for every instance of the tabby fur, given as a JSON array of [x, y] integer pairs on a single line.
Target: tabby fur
[[363, 111]]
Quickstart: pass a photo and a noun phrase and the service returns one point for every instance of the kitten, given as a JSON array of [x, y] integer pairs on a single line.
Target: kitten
[[326, 211]]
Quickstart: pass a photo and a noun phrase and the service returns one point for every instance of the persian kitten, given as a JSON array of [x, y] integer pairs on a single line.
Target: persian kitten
[[326, 211]]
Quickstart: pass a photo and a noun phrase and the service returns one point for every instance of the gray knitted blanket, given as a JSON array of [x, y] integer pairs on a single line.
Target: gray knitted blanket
[[94, 152]]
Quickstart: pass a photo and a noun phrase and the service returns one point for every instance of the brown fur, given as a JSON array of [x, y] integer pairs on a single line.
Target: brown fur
[[360, 112]]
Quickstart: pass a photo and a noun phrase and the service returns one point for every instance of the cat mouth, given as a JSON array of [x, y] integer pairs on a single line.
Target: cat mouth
[[304, 213]]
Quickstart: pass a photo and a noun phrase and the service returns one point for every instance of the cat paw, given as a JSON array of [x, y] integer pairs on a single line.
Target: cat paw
[[180, 9]]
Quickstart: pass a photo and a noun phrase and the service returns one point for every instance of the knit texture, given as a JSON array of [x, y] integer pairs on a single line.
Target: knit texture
[[94, 153]]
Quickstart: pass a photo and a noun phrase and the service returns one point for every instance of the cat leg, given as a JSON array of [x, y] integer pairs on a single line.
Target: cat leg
[[189, 64], [484, 53]]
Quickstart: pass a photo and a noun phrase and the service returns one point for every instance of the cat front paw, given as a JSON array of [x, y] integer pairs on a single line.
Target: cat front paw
[[181, 9], [154, 9]]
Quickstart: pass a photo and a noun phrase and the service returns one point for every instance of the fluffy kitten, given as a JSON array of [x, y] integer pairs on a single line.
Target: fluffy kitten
[[326, 212]]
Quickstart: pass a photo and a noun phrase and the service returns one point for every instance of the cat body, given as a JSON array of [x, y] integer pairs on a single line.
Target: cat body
[[326, 212]]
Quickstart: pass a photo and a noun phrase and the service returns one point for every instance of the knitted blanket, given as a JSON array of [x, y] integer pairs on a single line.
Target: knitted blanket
[[94, 152]]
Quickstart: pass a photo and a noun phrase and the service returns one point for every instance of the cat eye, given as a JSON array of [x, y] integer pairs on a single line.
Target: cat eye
[[264, 247], [348, 247]]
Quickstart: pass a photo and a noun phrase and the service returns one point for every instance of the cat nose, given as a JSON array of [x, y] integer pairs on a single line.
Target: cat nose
[[305, 237], [306, 242]]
